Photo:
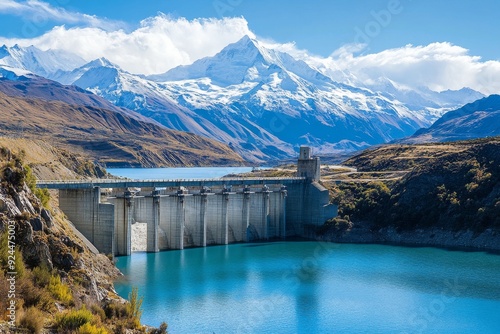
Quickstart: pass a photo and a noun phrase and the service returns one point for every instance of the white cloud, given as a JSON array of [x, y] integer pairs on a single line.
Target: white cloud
[[38, 12], [9, 6], [438, 66], [159, 44], [162, 42]]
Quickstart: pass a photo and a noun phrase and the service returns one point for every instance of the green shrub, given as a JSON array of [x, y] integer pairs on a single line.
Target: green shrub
[[19, 263], [130, 312], [73, 320], [60, 290], [43, 195], [41, 276], [32, 319], [97, 310], [33, 295], [29, 178], [116, 310], [134, 305], [5, 252], [88, 328]]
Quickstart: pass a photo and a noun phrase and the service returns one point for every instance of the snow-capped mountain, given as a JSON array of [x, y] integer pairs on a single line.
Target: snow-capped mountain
[[155, 101], [13, 74], [474, 120], [435, 103], [43, 63], [263, 102], [289, 98]]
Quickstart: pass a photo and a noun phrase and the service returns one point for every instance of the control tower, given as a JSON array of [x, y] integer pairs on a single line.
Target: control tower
[[307, 165]]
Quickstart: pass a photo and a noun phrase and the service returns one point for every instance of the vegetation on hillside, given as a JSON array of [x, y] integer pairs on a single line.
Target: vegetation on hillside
[[453, 186], [60, 286]]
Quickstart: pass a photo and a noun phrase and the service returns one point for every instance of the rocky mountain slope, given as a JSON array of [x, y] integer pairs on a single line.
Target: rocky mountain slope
[[474, 120], [111, 136], [262, 102], [450, 196], [61, 284]]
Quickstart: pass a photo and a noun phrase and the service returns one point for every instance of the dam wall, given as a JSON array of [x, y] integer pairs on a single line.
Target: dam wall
[[197, 213]]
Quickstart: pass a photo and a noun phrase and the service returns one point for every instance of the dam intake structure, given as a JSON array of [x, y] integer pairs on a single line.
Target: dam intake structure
[[196, 213]]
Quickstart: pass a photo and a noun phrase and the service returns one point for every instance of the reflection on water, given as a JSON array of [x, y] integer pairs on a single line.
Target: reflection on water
[[311, 287]]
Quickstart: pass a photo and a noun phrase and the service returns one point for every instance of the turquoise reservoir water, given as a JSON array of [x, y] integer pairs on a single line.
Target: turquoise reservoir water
[[177, 173], [311, 287]]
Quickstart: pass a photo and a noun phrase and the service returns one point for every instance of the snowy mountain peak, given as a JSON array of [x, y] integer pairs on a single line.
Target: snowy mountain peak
[[228, 67], [247, 61], [4, 51], [100, 67], [43, 63], [100, 62], [245, 51], [14, 74]]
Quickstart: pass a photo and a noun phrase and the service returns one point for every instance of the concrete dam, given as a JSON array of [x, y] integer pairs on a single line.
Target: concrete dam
[[196, 213]]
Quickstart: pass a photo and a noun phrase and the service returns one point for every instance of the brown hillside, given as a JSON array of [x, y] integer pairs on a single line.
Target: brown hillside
[[50, 163], [107, 136]]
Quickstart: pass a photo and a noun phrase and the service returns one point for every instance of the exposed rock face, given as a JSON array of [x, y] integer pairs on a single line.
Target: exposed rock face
[[23, 203], [7, 205], [47, 217], [24, 234], [38, 254], [36, 224], [45, 241]]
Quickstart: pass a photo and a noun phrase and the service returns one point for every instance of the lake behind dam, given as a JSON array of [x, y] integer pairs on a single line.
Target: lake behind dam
[[312, 287]]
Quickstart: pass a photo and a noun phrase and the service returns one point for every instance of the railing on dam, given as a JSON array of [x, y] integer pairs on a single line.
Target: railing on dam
[[119, 183]]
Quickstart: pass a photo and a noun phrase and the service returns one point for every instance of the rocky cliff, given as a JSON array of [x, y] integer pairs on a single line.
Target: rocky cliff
[[61, 284]]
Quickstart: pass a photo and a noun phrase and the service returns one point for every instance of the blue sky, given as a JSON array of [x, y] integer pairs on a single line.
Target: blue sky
[[320, 26], [414, 43]]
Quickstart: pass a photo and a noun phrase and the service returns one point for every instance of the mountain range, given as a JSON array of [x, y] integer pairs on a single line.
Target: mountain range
[[262, 102], [68, 117], [474, 120]]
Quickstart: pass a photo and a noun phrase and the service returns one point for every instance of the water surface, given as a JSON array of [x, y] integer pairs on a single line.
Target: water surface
[[177, 173], [311, 287]]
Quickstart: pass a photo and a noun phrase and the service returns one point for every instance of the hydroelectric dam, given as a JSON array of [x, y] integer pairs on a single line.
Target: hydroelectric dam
[[196, 213]]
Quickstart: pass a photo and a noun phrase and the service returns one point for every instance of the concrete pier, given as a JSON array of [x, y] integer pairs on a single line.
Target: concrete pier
[[95, 220], [197, 213]]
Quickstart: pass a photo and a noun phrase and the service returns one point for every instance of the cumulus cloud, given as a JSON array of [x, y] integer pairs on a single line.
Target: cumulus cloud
[[159, 44], [438, 66], [38, 12], [163, 42]]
